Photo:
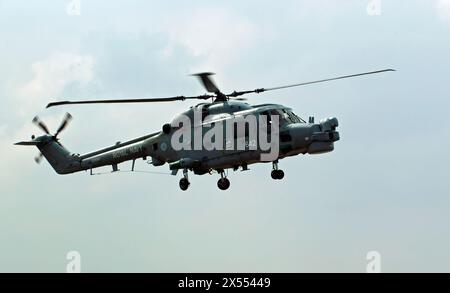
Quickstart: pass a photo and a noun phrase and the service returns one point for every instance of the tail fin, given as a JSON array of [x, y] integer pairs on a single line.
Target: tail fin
[[59, 157], [62, 161]]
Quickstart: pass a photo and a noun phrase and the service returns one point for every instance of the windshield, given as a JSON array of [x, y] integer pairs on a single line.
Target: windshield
[[291, 117]]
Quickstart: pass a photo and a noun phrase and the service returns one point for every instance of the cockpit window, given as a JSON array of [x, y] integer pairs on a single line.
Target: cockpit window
[[282, 118], [294, 118], [285, 116], [291, 117]]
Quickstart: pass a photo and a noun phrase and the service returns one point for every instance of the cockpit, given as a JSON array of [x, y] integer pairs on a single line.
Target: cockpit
[[285, 116], [291, 117]]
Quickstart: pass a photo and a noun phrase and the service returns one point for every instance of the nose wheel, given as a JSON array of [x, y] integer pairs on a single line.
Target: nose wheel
[[184, 182], [223, 182], [276, 173]]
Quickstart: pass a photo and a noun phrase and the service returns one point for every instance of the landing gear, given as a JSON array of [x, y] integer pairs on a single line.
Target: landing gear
[[184, 182], [223, 182], [276, 173]]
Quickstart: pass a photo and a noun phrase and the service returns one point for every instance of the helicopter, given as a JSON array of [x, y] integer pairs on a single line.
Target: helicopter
[[289, 135]]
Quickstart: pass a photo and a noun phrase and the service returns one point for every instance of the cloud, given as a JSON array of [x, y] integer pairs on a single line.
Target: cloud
[[52, 75], [112, 211], [218, 35], [443, 9]]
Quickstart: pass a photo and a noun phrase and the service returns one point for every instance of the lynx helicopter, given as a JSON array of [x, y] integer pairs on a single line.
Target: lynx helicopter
[[296, 136]]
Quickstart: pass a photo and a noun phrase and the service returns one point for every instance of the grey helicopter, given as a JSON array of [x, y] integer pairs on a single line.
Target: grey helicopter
[[290, 134]]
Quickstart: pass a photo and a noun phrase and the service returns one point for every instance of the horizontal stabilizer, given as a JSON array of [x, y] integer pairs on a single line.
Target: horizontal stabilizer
[[27, 143]]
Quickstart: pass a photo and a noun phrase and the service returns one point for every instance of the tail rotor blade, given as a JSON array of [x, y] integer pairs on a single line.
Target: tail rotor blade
[[38, 158], [41, 124], [64, 123]]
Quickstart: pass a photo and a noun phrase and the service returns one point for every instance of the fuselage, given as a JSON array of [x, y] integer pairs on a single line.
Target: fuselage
[[206, 145], [295, 136]]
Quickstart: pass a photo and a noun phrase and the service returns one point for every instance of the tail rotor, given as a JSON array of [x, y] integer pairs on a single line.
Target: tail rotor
[[38, 140], [39, 123]]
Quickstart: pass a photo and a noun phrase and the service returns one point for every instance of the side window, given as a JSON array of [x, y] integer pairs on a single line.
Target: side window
[[287, 116], [294, 117], [281, 119], [266, 113]]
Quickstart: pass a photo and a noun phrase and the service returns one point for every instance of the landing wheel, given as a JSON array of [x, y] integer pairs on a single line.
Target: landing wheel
[[277, 174], [184, 184], [223, 184]]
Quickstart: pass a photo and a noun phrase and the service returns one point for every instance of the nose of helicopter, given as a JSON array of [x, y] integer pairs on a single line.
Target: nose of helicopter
[[314, 138], [322, 141], [329, 126]]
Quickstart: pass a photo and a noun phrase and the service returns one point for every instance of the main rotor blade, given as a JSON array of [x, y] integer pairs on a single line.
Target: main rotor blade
[[236, 94], [64, 123], [207, 81], [120, 101], [41, 124]]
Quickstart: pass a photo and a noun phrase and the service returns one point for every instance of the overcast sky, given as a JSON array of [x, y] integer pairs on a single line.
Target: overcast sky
[[384, 188]]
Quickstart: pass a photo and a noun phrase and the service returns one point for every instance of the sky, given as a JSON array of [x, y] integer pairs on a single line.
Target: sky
[[384, 188]]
